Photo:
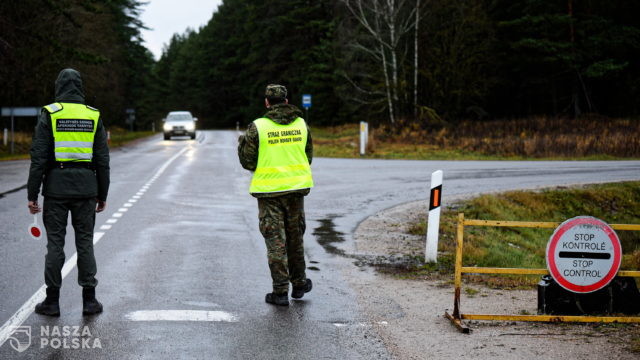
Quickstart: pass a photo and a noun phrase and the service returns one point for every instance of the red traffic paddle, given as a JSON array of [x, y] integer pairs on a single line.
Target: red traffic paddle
[[34, 229]]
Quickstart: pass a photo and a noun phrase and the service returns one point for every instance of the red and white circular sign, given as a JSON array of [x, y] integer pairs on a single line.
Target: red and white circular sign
[[34, 229], [583, 254]]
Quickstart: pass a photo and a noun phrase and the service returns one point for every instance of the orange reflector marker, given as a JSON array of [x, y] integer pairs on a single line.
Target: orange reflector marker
[[436, 198], [433, 221]]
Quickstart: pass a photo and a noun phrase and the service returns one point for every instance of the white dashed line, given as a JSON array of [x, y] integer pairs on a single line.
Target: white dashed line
[[26, 309], [116, 215], [123, 210], [132, 200]]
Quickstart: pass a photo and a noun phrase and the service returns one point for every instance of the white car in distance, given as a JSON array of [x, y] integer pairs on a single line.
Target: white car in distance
[[179, 123]]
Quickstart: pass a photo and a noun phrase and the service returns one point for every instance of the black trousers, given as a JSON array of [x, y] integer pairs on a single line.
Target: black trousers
[[83, 218]]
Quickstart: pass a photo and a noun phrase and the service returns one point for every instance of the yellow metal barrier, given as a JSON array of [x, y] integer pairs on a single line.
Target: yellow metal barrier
[[456, 317]]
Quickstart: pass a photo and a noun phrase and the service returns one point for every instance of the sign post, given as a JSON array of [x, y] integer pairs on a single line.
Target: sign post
[[13, 133], [17, 112], [131, 118], [306, 103], [583, 254], [364, 137], [433, 222]]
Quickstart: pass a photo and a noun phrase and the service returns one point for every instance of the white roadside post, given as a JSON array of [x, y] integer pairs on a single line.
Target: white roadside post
[[5, 136], [433, 223], [364, 133]]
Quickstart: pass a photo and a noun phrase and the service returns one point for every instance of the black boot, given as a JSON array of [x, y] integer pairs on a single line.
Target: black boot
[[90, 306], [277, 299], [298, 292], [50, 306]]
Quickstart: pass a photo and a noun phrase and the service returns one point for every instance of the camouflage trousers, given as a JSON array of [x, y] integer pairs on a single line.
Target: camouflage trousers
[[282, 224]]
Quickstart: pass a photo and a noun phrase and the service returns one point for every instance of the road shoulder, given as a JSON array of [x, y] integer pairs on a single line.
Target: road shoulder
[[409, 312]]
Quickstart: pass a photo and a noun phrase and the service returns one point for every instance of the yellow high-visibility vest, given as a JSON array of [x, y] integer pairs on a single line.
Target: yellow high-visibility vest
[[282, 162], [74, 127]]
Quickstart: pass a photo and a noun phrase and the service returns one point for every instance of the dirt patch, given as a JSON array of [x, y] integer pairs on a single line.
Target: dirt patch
[[409, 312]]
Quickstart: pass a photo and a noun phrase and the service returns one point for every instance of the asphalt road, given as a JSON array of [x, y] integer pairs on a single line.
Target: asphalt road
[[188, 245]]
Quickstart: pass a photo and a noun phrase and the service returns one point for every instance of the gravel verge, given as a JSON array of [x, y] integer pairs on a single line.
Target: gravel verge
[[408, 313]]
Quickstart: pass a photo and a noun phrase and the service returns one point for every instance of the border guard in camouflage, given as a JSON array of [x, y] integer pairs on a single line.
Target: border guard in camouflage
[[70, 156], [278, 149]]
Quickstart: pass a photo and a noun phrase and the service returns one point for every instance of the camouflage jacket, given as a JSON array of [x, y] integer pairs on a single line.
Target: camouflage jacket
[[248, 144]]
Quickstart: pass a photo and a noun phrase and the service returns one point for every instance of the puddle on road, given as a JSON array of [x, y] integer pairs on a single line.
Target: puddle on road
[[327, 236]]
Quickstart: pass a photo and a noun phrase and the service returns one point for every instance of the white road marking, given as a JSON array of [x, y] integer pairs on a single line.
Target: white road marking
[[201, 304], [96, 237], [133, 200], [105, 227], [123, 210], [360, 324], [136, 196], [181, 315], [139, 193], [27, 308], [117, 215]]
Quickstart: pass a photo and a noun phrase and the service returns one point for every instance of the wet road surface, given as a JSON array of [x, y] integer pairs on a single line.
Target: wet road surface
[[182, 266]]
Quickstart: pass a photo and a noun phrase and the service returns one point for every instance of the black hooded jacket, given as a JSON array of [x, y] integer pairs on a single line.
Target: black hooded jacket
[[68, 182]]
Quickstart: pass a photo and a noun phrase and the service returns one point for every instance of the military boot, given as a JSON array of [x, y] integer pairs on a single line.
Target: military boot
[[277, 299], [298, 292], [51, 305], [90, 306]]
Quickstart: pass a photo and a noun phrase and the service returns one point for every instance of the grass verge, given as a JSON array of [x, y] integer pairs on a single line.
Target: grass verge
[[525, 248], [22, 145]]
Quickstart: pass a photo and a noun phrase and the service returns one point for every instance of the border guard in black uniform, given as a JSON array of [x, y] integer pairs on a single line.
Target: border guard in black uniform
[[70, 156]]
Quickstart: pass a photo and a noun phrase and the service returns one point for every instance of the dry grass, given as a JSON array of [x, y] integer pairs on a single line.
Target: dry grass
[[539, 137], [522, 247], [534, 138], [22, 143]]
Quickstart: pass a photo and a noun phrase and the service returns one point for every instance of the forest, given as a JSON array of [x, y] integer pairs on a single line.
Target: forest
[[391, 62]]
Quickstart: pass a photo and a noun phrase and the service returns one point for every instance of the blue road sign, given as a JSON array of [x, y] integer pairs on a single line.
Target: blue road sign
[[306, 101]]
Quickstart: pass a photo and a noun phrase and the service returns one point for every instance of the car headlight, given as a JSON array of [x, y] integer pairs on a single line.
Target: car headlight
[[166, 127], [190, 127]]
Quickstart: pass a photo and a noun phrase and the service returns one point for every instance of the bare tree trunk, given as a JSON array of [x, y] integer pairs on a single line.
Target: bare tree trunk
[[383, 20], [415, 62], [392, 117]]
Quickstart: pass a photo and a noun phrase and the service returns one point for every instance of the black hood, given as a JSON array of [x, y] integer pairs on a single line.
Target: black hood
[[69, 87]]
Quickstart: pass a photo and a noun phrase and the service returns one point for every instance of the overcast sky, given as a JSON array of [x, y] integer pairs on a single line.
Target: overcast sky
[[167, 17]]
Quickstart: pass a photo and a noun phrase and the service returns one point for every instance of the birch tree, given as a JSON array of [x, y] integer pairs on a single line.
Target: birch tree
[[386, 24]]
